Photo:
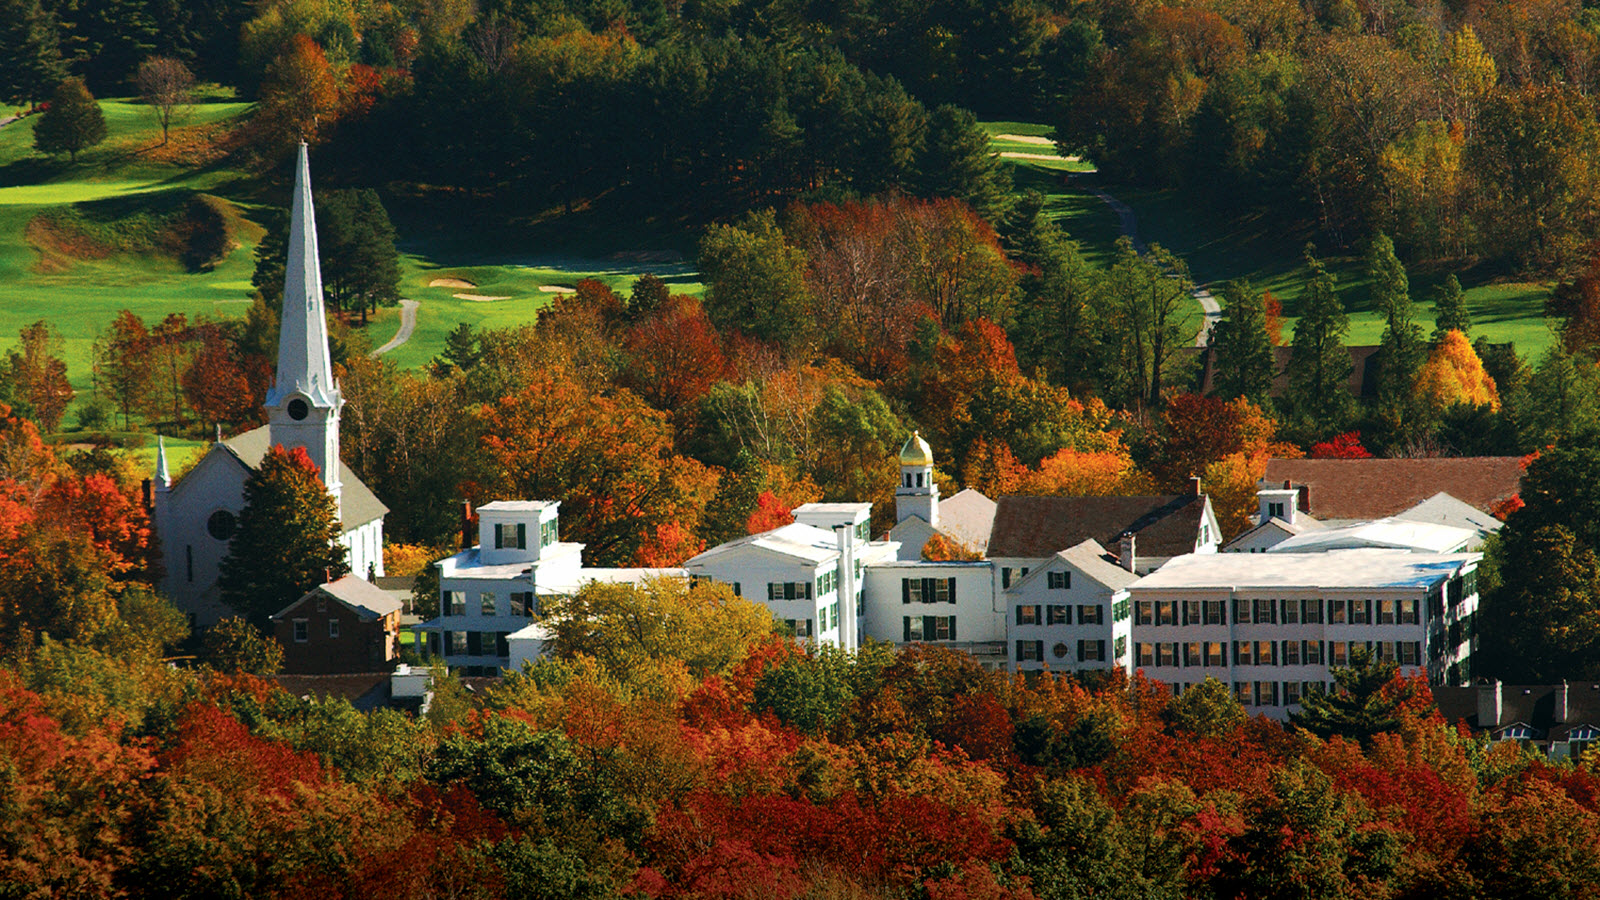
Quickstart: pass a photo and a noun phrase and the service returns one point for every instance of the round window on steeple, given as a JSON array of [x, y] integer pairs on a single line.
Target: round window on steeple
[[221, 524], [298, 409]]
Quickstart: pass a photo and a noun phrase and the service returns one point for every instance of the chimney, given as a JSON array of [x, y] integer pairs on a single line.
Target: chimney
[[149, 495], [1561, 702], [1194, 486], [845, 537], [1305, 498], [466, 525], [1490, 708], [1126, 551]]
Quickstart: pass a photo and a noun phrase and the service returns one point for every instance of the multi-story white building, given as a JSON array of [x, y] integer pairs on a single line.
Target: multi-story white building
[[489, 595], [948, 603], [1272, 624], [1072, 613]]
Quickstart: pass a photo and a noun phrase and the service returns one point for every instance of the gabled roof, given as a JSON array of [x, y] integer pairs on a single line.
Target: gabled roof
[[517, 506], [1443, 509], [1034, 527], [1089, 558], [1283, 528], [968, 519], [1533, 705], [357, 503], [364, 598], [799, 541], [1352, 489]]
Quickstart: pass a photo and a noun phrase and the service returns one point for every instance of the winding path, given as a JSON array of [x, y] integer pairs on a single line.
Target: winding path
[[408, 324], [1130, 227]]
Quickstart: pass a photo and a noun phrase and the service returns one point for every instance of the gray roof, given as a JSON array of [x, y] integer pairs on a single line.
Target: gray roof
[[1333, 569], [357, 502], [1089, 558], [1443, 509], [367, 599], [516, 506], [968, 517]]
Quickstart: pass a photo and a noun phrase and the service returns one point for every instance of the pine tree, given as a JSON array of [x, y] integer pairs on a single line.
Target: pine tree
[[287, 538], [956, 162], [73, 121], [1319, 370], [1401, 352], [30, 51], [1450, 310], [1244, 359], [1362, 706]]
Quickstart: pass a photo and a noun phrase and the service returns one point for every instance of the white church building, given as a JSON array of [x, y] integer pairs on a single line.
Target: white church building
[[196, 516]]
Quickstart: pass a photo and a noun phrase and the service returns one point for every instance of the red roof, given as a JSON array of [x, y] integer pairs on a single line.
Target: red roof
[[1374, 488]]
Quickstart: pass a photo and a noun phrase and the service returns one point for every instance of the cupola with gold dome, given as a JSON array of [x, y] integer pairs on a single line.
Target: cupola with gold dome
[[917, 495]]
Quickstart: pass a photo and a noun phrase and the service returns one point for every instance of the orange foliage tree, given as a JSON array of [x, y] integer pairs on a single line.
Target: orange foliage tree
[[1454, 375], [1201, 430], [1071, 473]]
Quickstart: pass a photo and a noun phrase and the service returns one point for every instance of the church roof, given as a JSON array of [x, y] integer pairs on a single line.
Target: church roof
[[357, 503], [916, 452]]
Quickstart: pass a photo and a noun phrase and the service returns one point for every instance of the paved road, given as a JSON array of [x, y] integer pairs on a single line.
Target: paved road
[[408, 324], [1130, 227]]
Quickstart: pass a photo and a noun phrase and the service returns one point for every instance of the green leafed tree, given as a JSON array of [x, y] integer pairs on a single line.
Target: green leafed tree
[[956, 161], [756, 281], [1450, 309], [360, 265], [234, 645], [30, 52], [1319, 369], [1244, 360], [1401, 352], [71, 123], [287, 538], [1208, 708]]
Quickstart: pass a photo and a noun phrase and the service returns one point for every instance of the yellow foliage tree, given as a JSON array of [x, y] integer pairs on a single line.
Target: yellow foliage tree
[[1453, 375], [1095, 473]]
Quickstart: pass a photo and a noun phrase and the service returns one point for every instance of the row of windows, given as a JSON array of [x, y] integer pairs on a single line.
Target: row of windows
[[1273, 693], [929, 628], [788, 590], [520, 604], [927, 590], [1272, 653], [469, 643], [1059, 614], [302, 630], [1265, 611], [800, 628], [1088, 650]]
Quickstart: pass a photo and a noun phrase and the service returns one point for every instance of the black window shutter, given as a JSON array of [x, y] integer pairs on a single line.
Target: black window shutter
[[952, 593], [929, 630], [906, 621], [905, 597], [522, 536], [1101, 653], [499, 540], [952, 628]]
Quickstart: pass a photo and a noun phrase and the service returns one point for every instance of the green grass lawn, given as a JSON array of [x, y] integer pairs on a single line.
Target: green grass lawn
[[1219, 248]]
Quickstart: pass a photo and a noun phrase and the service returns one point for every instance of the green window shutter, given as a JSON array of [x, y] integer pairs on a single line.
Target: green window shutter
[[928, 628], [905, 591], [522, 536], [952, 625]]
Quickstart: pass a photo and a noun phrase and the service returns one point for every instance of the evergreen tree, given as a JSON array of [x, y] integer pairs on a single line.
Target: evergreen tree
[[73, 121], [1056, 322], [360, 265], [461, 351], [272, 257], [1319, 369], [1450, 309], [1363, 705], [30, 52], [955, 161], [1401, 350], [1244, 360], [287, 538]]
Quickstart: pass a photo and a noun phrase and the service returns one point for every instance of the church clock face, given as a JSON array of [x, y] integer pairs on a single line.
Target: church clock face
[[298, 409], [221, 525]]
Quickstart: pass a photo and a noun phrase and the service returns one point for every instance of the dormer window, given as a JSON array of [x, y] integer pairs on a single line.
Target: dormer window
[[508, 536], [1275, 510]]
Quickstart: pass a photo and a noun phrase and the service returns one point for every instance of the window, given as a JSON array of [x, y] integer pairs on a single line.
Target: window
[[1386, 612], [1091, 615], [1360, 612], [507, 535], [1144, 653], [1193, 655], [474, 643], [1147, 612], [548, 533], [927, 590], [1005, 577], [1338, 653], [221, 525], [1167, 612], [1336, 612], [1166, 654], [800, 627], [486, 604], [457, 641], [1059, 581], [1030, 651], [1266, 612], [1028, 615], [1120, 647], [1241, 692], [1244, 653], [1311, 653], [1121, 609], [1407, 612], [1059, 650], [789, 590], [333, 628], [1216, 612], [1191, 612], [935, 628], [1291, 612], [1266, 653], [1311, 611], [1274, 510], [456, 602], [322, 603], [864, 531], [1291, 693], [1241, 611], [1410, 653], [521, 604], [1216, 653], [302, 629], [1058, 615], [1291, 653], [1091, 651], [1266, 693]]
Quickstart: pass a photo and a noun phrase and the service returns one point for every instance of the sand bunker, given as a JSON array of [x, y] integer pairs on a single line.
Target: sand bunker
[[451, 283], [557, 289], [1050, 156], [1024, 139], [479, 298]]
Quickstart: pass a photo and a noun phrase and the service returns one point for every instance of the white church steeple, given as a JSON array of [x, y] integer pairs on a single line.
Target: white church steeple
[[304, 402], [917, 494]]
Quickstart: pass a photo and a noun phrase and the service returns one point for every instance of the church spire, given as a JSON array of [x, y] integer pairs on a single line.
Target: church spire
[[303, 364], [163, 475]]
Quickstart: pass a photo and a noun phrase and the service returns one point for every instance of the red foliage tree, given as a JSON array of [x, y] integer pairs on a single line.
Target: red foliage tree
[[1344, 446]]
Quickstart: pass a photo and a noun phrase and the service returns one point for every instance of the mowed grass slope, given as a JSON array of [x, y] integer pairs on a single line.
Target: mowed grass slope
[[1220, 248]]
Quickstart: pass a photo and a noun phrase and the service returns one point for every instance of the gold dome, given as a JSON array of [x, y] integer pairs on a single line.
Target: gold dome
[[916, 452]]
